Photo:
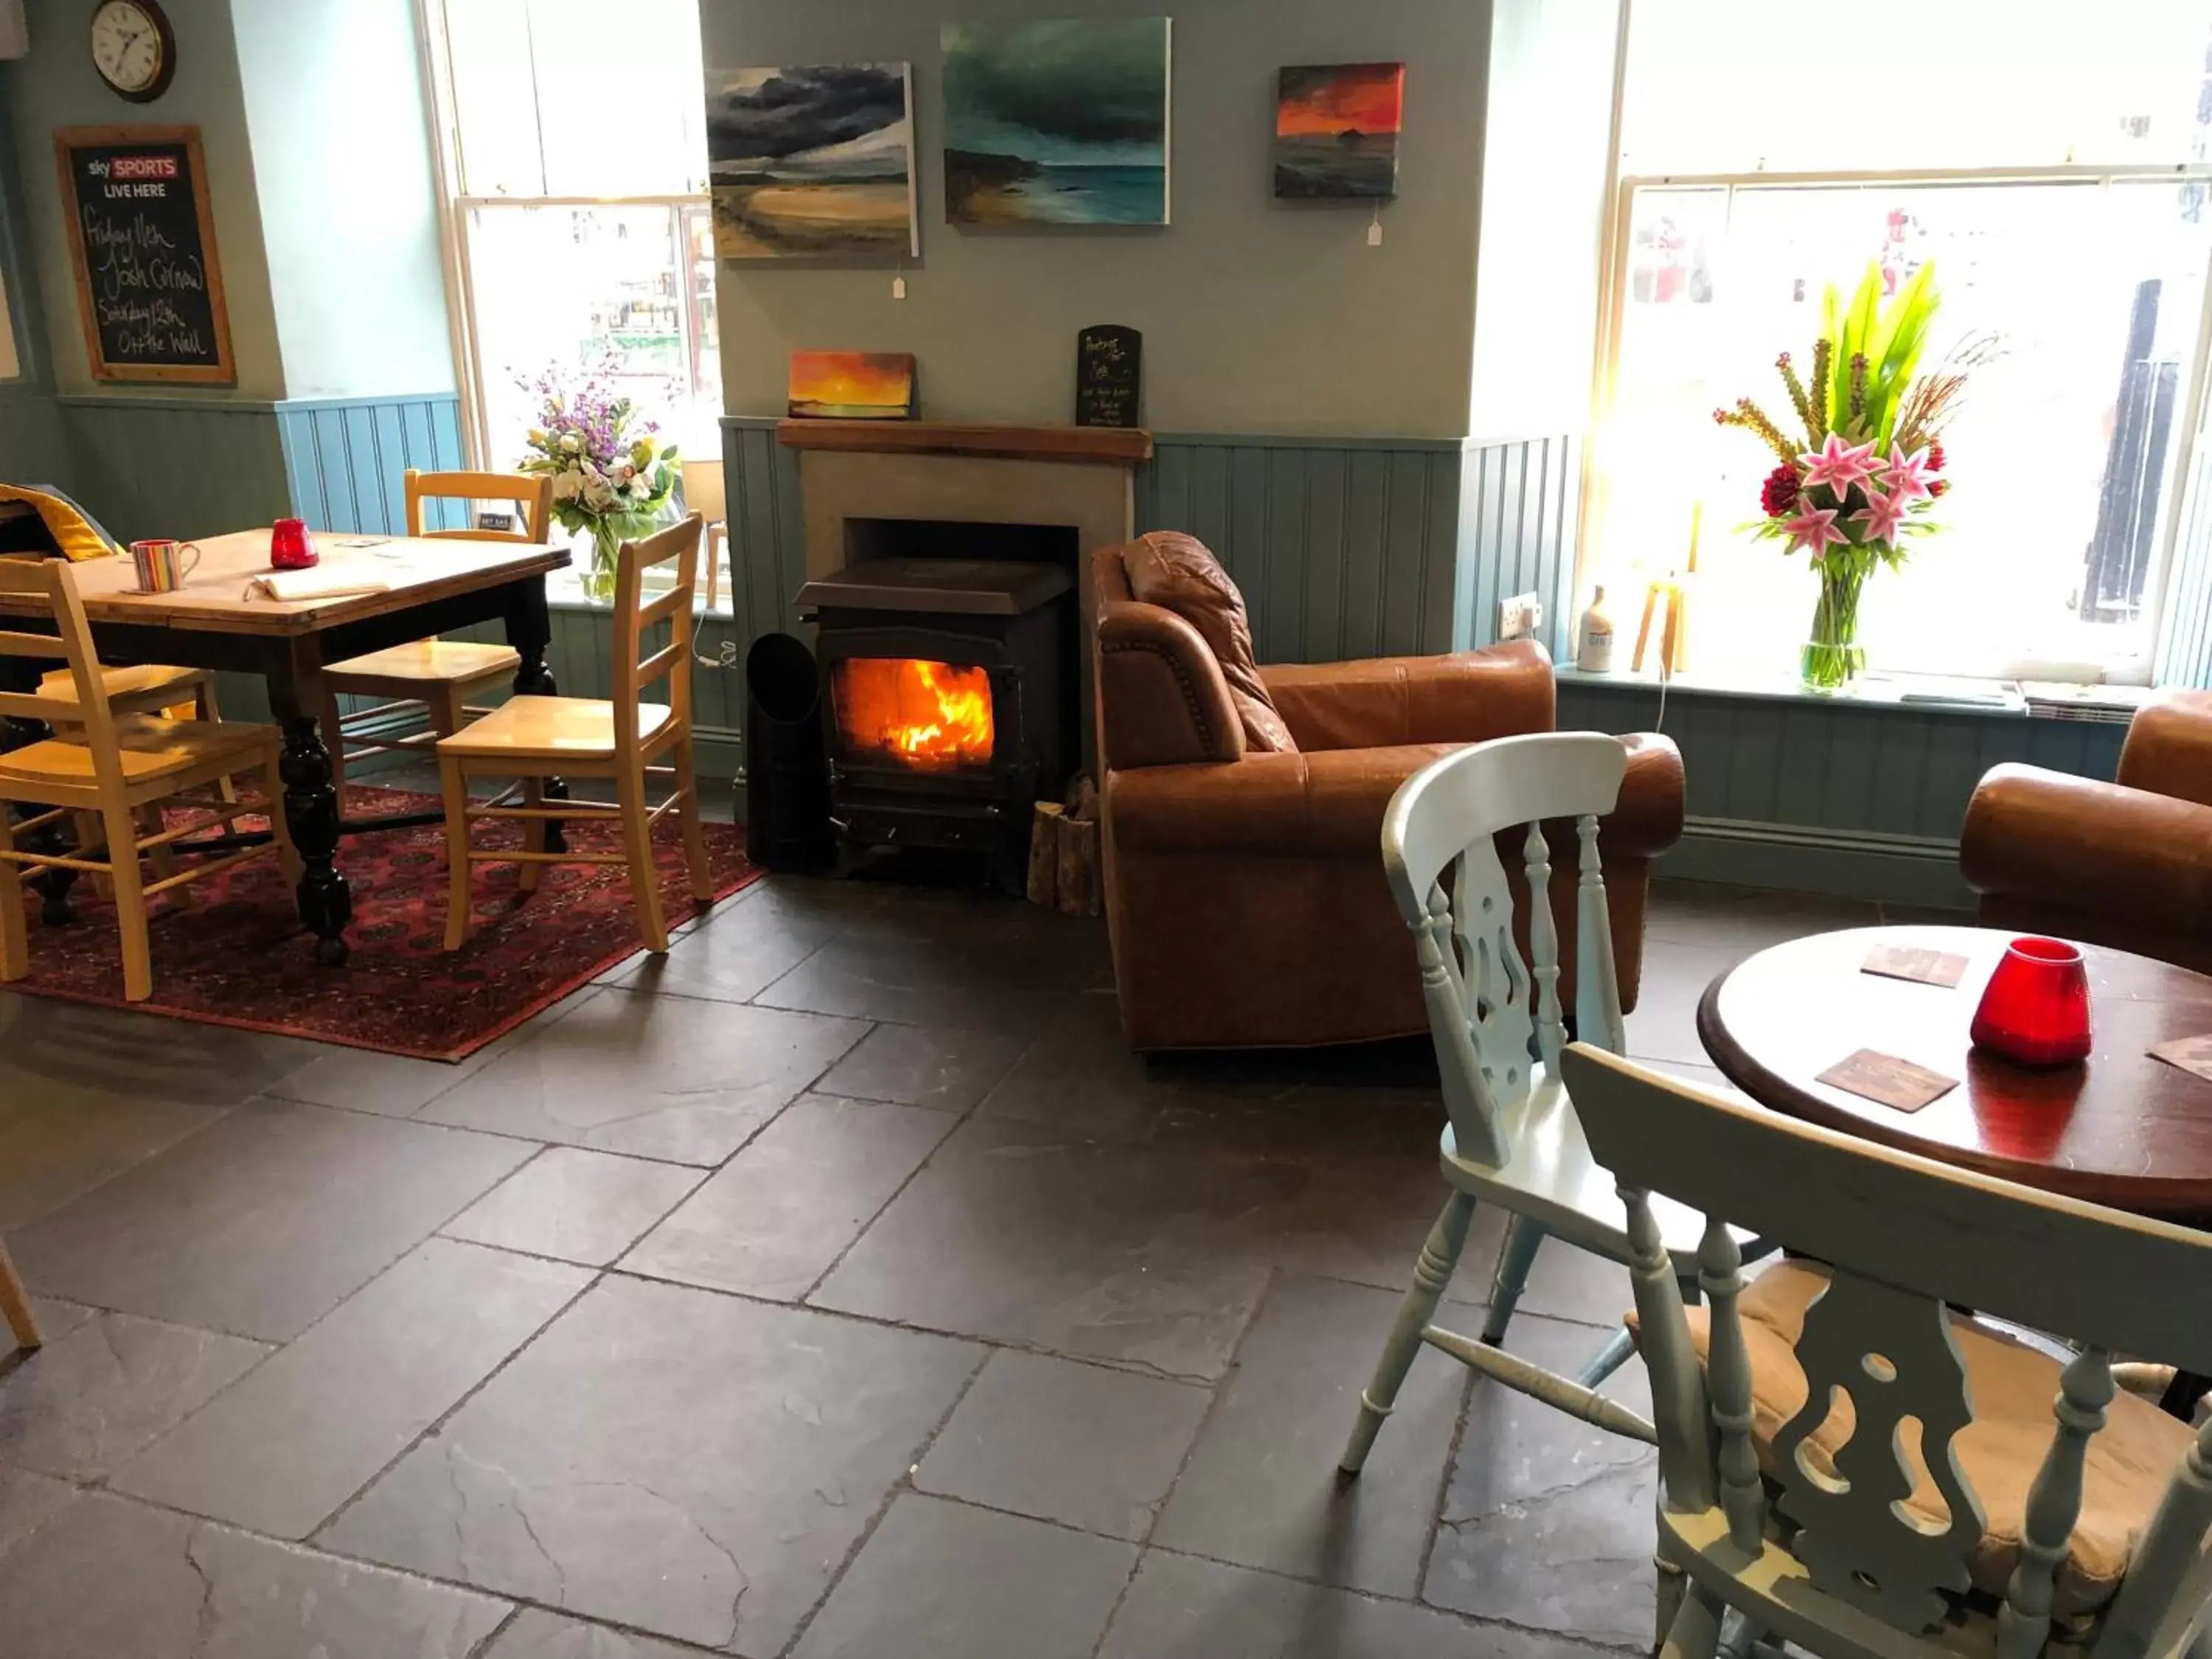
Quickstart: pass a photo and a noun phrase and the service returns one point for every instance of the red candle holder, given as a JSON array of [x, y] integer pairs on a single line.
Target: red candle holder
[[2036, 1010], [291, 546]]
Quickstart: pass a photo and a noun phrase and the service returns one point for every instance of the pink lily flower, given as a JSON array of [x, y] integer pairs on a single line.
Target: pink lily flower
[[1902, 476], [1881, 516], [1814, 527], [1839, 465]]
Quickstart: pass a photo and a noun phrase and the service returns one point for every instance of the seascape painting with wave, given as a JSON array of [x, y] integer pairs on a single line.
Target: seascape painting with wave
[[1057, 123]]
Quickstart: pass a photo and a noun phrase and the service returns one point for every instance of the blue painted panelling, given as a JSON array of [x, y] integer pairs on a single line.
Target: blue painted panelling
[[1518, 505], [2185, 658], [344, 458]]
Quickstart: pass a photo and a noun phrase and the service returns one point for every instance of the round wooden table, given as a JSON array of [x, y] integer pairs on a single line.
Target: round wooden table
[[2120, 1128]]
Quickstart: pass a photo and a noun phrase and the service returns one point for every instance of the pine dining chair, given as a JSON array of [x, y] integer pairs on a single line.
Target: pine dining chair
[[1511, 1139], [531, 738], [114, 773], [1857, 1467], [440, 676]]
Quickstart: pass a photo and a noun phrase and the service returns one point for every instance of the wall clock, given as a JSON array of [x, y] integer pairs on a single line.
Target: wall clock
[[134, 48]]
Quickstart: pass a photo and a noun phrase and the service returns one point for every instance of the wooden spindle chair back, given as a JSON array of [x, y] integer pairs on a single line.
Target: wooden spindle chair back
[[1487, 1004], [1905, 1241], [533, 493], [635, 667], [49, 587]]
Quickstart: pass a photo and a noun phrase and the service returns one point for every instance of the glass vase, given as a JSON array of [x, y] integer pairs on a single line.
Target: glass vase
[[598, 581], [1832, 657]]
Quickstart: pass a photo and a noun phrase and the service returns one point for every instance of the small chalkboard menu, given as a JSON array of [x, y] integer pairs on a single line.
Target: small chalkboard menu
[[149, 289], [1109, 368]]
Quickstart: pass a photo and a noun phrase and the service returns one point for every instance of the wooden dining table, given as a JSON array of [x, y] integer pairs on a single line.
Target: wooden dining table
[[2120, 1128], [425, 587]]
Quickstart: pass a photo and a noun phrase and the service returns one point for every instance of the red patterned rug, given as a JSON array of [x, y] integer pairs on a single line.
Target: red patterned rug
[[233, 953]]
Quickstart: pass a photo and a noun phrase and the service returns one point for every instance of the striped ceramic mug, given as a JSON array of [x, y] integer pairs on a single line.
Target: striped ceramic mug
[[163, 565]]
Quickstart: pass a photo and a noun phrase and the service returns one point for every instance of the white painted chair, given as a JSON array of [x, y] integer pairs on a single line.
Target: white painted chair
[[1513, 1140], [1947, 1489]]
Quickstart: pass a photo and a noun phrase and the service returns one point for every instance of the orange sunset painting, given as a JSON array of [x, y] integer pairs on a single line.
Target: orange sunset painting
[[852, 385], [1336, 130]]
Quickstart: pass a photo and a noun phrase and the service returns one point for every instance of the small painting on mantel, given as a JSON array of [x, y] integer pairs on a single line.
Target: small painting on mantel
[[852, 385], [1057, 124], [1336, 131], [813, 163]]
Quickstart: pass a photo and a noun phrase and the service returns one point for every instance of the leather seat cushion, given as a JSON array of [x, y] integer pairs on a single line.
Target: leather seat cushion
[[2012, 1387], [1175, 573]]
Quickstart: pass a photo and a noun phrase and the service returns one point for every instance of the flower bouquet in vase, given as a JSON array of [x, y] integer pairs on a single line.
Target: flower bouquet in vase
[[1862, 475], [612, 475]]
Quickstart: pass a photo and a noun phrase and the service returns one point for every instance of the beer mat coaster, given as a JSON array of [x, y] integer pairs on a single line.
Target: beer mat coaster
[[1920, 965], [1889, 1080], [2190, 1054]]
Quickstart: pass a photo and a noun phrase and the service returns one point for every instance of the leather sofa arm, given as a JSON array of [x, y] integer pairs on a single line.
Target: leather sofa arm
[[1162, 701], [1498, 691], [2169, 747], [1329, 804], [1648, 819], [2080, 845]]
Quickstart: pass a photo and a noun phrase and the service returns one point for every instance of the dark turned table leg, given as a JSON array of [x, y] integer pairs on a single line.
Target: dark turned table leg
[[311, 804], [22, 674], [529, 631]]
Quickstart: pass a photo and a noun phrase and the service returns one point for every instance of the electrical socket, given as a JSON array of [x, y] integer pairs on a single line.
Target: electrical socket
[[1520, 617]]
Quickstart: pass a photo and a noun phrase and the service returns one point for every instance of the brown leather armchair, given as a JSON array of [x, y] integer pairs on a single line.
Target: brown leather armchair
[[2127, 864], [1244, 890]]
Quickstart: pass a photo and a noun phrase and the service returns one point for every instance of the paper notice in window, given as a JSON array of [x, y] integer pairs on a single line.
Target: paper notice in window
[[1888, 1080], [1920, 965], [2190, 1054]]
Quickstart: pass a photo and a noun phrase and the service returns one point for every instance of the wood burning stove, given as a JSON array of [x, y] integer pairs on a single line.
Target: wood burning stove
[[949, 694]]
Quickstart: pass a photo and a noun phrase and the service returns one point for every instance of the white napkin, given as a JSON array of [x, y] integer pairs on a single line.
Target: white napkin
[[323, 582]]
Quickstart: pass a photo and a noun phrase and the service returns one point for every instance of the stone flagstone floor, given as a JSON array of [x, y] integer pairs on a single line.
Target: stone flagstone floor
[[837, 1286]]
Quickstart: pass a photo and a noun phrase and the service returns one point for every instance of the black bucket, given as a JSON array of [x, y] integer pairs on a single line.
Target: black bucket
[[787, 767]]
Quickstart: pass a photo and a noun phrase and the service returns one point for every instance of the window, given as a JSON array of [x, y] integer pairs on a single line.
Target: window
[[2051, 160], [580, 223]]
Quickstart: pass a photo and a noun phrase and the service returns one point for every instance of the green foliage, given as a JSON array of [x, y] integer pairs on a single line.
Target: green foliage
[[1890, 337]]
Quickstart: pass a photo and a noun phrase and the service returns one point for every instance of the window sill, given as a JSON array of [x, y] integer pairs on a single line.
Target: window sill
[[1922, 694]]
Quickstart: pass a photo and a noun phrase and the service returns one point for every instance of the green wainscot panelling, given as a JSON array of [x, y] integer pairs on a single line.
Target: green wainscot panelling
[[175, 465]]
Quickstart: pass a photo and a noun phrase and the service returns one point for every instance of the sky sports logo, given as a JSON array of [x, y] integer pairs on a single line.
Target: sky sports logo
[[144, 166]]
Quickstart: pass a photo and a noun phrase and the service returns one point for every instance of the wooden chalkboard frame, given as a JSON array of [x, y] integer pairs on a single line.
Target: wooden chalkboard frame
[[224, 372]]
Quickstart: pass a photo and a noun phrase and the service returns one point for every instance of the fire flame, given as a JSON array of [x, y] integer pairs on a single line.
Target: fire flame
[[930, 715]]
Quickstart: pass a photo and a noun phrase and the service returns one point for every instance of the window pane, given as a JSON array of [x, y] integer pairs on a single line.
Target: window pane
[[1734, 86], [2061, 456], [620, 114], [548, 104], [568, 288]]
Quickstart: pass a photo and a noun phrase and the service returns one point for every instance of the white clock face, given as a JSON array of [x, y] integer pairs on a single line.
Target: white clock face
[[126, 45]]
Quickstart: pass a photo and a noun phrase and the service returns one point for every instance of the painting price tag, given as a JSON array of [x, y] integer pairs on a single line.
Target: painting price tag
[[1888, 1080]]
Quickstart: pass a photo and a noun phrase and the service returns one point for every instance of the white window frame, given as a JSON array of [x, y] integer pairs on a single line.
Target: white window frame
[[1613, 306]]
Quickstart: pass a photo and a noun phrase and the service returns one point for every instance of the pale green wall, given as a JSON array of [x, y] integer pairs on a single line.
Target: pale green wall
[[1258, 316], [334, 106], [56, 86]]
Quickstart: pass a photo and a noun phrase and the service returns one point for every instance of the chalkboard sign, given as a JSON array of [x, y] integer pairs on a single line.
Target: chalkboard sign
[[149, 289], [1108, 365]]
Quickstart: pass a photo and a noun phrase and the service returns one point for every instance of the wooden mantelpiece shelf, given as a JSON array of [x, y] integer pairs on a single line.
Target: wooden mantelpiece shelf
[[1109, 446]]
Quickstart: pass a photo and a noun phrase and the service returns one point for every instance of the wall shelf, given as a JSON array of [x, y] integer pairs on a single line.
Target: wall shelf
[[1108, 446]]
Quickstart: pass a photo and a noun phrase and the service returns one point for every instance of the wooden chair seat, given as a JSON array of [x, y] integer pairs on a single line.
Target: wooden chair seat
[[1549, 1174], [149, 750], [133, 690], [2011, 1386], [405, 671], [569, 729]]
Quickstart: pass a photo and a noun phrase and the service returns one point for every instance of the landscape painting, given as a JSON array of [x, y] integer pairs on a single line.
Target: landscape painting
[[813, 163], [1336, 131], [1057, 123], [852, 385]]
